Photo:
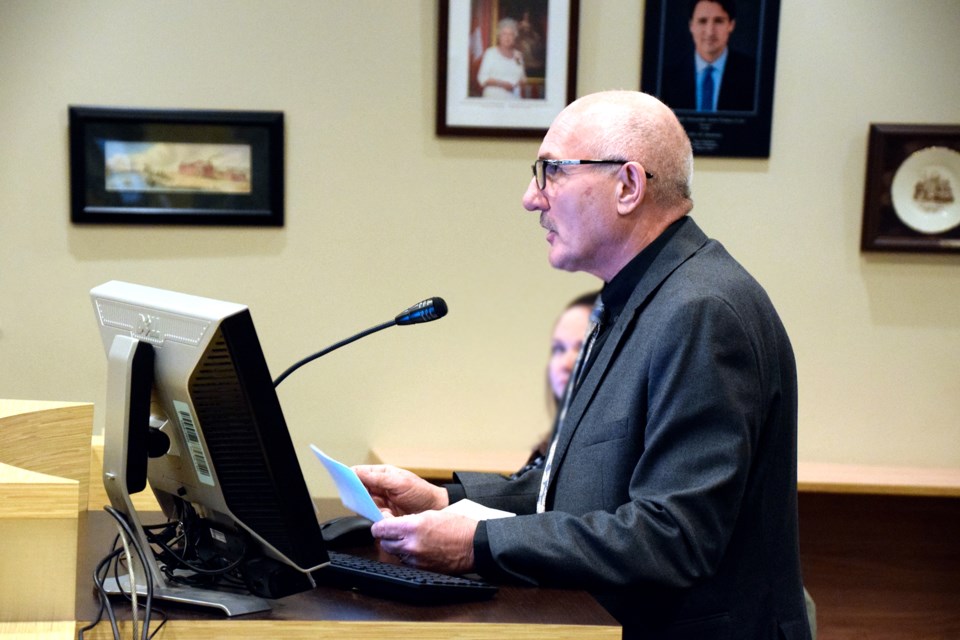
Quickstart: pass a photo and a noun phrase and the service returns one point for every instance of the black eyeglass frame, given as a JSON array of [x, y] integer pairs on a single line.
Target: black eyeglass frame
[[540, 171]]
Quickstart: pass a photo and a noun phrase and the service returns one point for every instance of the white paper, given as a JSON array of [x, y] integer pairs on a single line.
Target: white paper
[[477, 511], [353, 494]]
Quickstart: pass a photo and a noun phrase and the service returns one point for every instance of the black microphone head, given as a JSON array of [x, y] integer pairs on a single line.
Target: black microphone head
[[425, 311], [439, 307]]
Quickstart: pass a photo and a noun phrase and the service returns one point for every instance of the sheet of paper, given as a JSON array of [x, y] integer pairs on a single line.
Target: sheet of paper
[[353, 494], [477, 511]]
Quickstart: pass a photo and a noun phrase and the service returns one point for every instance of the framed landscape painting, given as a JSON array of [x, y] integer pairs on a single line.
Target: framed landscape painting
[[151, 166]]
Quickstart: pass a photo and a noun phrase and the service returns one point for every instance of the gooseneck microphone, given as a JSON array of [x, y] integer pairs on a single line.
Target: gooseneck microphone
[[425, 311]]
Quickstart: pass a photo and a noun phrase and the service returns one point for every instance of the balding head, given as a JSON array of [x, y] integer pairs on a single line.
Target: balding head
[[600, 215], [631, 125]]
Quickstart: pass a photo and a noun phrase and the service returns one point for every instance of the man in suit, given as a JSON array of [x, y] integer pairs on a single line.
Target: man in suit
[[713, 77], [670, 488]]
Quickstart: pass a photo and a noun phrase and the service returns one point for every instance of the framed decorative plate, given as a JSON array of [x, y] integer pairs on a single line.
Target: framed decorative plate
[[912, 195]]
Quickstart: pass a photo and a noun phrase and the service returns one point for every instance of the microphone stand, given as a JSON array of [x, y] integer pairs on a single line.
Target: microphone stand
[[332, 347]]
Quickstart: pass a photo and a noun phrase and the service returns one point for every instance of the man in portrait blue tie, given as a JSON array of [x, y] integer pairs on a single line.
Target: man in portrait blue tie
[[713, 77]]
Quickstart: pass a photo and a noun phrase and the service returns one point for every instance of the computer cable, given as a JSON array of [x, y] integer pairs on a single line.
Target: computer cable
[[103, 567], [132, 577], [181, 546], [148, 577]]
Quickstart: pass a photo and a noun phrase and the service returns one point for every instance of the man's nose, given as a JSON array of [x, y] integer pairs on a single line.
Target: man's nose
[[533, 198]]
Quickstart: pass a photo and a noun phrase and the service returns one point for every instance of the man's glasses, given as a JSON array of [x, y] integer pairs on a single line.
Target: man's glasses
[[543, 168]]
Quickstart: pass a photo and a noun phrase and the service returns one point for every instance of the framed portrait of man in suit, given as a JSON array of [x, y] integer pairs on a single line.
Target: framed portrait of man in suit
[[713, 63]]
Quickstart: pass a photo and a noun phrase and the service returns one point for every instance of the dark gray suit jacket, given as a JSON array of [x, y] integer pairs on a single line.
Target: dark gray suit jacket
[[673, 496]]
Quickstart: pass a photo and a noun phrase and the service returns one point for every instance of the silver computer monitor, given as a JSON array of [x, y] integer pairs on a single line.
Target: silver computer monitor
[[191, 411]]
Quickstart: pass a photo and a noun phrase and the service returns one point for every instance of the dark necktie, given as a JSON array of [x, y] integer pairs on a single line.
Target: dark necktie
[[596, 318], [706, 90]]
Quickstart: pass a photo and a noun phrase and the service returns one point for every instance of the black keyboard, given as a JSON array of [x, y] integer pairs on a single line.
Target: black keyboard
[[400, 582]]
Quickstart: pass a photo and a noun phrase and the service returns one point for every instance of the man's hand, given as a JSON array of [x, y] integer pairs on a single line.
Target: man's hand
[[432, 540], [400, 492]]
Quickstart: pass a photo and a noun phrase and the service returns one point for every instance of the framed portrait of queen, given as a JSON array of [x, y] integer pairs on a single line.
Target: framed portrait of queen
[[504, 67]]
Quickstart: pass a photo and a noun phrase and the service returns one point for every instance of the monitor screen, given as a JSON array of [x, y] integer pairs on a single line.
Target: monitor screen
[[192, 411]]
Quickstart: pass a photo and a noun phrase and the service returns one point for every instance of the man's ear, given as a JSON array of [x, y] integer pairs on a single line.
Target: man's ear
[[631, 187]]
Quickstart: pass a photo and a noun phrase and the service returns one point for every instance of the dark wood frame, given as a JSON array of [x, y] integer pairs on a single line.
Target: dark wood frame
[[889, 146], [91, 128], [459, 114], [742, 133]]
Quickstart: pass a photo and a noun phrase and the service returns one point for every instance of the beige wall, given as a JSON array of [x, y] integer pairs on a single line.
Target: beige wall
[[382, 213]]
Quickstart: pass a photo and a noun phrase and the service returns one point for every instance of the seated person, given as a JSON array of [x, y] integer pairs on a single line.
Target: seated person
[[565, 343]]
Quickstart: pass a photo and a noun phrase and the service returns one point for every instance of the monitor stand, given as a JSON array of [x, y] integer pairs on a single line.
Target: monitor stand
[[129, 379]]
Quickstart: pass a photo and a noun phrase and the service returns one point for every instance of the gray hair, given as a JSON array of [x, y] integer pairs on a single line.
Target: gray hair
[[508, 23]]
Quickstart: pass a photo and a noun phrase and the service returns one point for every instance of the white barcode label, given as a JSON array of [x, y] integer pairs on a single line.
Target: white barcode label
[[187, 425]]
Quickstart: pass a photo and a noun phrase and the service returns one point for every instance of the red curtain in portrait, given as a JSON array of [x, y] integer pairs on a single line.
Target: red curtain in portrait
[[482, 17]]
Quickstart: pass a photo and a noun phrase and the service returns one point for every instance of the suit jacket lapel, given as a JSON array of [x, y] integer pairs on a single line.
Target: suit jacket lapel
[[687, 240]]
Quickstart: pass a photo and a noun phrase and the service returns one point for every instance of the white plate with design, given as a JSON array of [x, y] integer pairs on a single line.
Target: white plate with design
[[926, 190]]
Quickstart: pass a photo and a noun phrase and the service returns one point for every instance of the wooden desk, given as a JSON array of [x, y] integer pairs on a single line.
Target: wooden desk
[[438, 465], [879, 545], [822, 477], [883, 567], [44, 478], [514, 612], [51, 543]]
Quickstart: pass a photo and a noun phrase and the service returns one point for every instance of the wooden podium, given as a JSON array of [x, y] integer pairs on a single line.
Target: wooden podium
[[54, 532], [44, 484]]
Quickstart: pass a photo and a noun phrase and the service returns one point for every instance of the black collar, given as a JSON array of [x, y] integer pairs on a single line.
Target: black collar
[[616, 293]]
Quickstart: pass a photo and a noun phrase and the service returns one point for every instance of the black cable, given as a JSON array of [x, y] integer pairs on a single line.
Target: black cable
[[181, 557], [141, 554], [103, 567], [160, 612], [179, 543], [198, 569], [170, 534], [163, 614]]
